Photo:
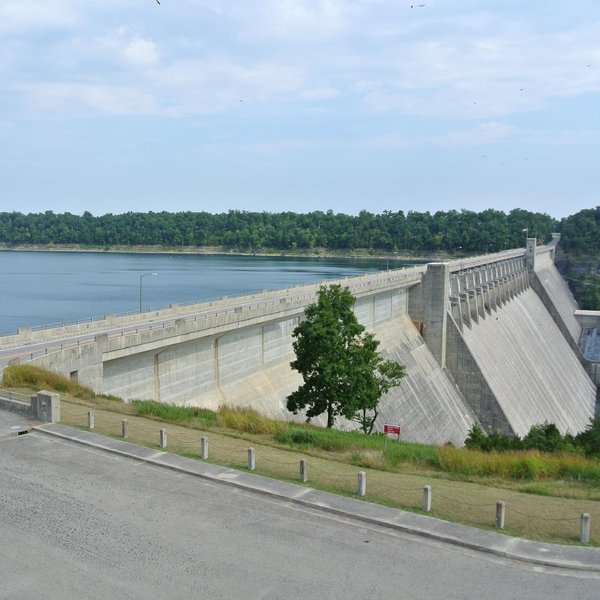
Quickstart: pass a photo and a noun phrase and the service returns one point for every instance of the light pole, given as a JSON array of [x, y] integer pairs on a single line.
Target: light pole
[[141, 279], [526, 232]]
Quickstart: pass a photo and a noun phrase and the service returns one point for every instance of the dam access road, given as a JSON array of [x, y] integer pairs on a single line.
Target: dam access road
[[79, 522]]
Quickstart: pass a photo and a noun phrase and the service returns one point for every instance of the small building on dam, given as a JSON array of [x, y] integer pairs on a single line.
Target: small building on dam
[[491, 340]]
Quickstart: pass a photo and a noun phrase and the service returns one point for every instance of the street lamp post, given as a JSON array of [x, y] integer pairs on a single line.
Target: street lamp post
[[141, 279]]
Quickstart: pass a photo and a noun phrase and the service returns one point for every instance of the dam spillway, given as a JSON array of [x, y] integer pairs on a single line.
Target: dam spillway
[[488, 340]]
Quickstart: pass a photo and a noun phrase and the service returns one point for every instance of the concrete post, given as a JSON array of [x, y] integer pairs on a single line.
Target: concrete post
[[163, 438], [362, 483], [251, 459], [500, 514], [204, 448], [46, 406], [90, 419], [303, 471], [584, 536], [125, 428], [427, 498]]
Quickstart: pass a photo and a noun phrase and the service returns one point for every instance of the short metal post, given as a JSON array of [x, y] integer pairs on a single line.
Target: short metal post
[[427, 498], [303, 471], [163, 438], [362, 483], [500, 514], [251, 459], [124, 428], [584, 536], [90, 419], [204, 448]]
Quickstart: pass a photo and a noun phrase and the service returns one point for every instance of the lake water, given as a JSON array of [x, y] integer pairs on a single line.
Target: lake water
[[48, 288]]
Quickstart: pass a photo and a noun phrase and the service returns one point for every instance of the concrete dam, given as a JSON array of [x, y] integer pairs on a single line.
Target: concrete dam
[[490, 340]]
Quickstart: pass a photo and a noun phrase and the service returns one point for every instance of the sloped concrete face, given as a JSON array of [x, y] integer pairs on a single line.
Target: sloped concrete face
[[530, 368], [427, 405], [561, 300]]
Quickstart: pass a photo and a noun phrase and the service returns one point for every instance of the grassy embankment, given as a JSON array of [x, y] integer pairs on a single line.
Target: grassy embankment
[[545, 493]]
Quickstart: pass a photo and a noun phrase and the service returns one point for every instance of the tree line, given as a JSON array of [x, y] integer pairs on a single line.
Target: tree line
[[451, 231]]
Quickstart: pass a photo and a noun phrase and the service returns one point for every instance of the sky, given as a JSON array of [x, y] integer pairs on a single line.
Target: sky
[[111, 106]]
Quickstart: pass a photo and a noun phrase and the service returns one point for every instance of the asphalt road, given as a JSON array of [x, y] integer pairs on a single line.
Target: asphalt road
[[80, 523]]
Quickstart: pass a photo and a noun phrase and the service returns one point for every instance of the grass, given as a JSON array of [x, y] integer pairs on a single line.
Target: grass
[[545, 493], [171, 413]]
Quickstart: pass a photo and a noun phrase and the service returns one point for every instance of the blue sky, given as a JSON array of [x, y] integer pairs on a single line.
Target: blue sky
[[270, 105]]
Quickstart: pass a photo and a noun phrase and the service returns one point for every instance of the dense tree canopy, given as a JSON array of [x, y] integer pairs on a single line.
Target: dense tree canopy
[[452, 231], [580, 240], [580, 233], [343, 373]]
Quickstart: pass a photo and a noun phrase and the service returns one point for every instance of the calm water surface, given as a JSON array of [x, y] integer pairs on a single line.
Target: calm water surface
[[45, 288]]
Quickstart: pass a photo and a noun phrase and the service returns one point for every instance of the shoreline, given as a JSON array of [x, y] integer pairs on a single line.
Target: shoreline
[[220, 251]]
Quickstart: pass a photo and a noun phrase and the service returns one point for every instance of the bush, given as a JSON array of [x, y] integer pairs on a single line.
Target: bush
[[495, 441], [544, 437], [589, 439]]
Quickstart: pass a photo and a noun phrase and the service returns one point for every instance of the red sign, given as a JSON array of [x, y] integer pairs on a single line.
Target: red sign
[[395, 429]]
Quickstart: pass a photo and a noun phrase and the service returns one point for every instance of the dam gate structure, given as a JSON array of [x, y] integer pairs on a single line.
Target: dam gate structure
[[491, 340]]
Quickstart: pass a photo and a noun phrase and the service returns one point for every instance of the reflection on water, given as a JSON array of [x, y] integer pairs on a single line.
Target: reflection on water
[[41, 288]]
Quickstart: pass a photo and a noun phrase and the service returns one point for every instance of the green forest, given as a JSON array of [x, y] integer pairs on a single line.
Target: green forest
[[413, 233], [390, 232]]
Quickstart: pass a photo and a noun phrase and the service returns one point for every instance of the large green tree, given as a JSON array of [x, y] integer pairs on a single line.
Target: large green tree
[[343, 372]]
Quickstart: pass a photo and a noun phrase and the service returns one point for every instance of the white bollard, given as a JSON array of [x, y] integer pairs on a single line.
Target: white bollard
[[251, 459], [204, 448], [362, 483], [303, 471], [500, 514], [426, 498], [584, 536], [163, 438], [90, 419], [124, 428]]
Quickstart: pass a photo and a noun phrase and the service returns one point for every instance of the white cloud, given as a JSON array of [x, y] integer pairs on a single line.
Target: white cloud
[[141, 51], [300, 19], [79, 98], [485, 133], [23, 15]]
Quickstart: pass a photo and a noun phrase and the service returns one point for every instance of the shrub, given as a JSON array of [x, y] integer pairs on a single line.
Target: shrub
[[544, 437], [589, 439]]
